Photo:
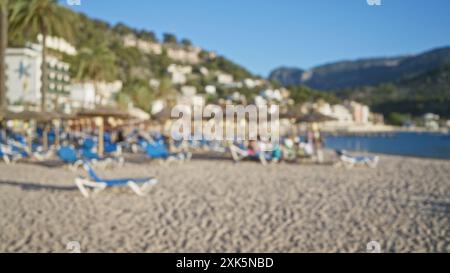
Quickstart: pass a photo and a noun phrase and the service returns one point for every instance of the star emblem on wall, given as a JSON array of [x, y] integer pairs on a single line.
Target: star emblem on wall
[[23, 70]]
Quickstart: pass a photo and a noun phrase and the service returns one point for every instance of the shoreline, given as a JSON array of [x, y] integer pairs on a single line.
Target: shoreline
[[381, 130]]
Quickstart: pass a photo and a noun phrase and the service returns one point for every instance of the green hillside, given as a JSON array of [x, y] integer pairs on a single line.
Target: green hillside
[[414, 95], [95, 39]]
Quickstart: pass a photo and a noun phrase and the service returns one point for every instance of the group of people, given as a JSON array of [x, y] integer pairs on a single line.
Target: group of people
[[290, 149]]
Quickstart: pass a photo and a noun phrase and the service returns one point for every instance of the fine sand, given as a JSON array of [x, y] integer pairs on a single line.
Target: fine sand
[[214, 205]]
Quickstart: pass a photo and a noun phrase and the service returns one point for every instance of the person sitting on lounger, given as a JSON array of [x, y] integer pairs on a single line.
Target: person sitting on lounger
[[239, 151], [255, 149]]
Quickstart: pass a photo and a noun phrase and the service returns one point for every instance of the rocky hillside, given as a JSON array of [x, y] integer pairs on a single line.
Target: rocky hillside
[[364, 72]]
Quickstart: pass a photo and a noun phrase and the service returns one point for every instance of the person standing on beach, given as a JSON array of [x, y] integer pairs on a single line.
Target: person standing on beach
[[318, 142]]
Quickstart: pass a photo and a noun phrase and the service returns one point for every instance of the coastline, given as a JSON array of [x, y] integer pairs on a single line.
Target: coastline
[[378, 129]]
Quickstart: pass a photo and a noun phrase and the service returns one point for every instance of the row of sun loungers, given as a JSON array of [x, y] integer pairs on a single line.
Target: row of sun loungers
[[153, 147]]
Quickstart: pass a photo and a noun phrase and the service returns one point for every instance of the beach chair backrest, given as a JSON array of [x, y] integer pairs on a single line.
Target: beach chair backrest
[[89, 154], [88, 168], [67, 154], [18, 150], [143, 143], [111, 148], [157, 150], [88, 143]]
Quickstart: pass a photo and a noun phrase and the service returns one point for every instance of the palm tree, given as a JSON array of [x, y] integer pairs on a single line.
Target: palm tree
[[96, 64], [44, 17], [3, 46]]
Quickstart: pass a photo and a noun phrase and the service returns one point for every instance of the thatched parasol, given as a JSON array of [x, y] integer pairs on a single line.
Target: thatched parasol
[[164, 115], [104, 112], [28, 115]]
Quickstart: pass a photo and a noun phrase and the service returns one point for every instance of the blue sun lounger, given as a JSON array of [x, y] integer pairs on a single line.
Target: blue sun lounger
[[10, 154], [350, 161], [94, 184], [4, 156], [158, 150], [70, 156]]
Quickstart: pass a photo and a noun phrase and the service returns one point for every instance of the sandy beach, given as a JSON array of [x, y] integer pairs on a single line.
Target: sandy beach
[[214, 205]]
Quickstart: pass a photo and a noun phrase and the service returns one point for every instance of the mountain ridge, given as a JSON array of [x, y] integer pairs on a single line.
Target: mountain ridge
[[361, 72]]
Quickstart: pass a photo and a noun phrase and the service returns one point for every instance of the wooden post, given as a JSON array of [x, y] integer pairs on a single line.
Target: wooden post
[[57, 124], [101, 133], [29, 137], [45, 137]]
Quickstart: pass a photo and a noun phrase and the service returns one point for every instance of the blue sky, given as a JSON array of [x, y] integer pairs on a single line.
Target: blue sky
[[264, 34]]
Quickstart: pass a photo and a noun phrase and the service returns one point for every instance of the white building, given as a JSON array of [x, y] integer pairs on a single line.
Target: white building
[[210, 90], [189, 97], [143, 46], [179, 73], [260, 100], [58, 44], [341, 113], [188, 91], [360, 112], [204, 71], [253, 83], [190, 55], [272, 95], [82, 96], [431, 121], [87, 95], [223, 78], [24, 76]]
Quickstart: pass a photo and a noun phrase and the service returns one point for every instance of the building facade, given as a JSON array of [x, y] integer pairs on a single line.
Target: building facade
[[24, 76]]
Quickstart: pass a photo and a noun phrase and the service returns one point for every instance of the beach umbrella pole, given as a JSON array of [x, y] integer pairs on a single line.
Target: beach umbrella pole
[[101, 133], [30, 137], [45, 137], [57, 131]]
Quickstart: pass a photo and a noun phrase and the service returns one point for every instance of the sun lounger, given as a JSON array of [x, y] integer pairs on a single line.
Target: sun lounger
[[94, 184], [350, 161], [4, 156], [69, 156], [88, 153], [10, 154], [158, 150], [20, 149]]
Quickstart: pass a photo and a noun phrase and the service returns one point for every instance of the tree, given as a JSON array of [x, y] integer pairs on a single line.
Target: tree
[[96, 65], [122, 29], [186, 42], [3, 46], [123, 100], [148, 36], [169, 38], [46, 18], [138, 92]]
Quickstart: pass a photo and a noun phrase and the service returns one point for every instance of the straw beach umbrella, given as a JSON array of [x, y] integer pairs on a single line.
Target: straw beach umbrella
[[99, 115], [29, 116]]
